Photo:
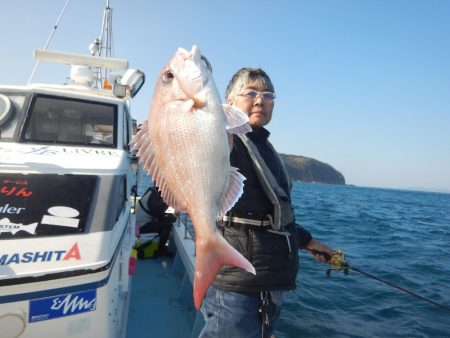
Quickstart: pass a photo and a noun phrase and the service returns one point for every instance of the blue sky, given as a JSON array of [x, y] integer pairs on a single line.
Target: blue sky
[[363, 85]]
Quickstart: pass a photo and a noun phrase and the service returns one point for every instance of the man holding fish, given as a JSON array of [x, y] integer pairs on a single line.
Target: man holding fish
[[261, 225], [246, 237]]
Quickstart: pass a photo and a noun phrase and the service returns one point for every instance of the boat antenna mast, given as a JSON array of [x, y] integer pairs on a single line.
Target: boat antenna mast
[[103, 46], [55, 27]]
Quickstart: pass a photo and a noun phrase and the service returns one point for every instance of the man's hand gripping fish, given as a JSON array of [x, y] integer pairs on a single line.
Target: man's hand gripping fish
[[184, 147]]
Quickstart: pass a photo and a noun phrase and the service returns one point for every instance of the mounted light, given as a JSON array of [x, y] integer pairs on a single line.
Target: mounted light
[[107, 85], [133, 79]]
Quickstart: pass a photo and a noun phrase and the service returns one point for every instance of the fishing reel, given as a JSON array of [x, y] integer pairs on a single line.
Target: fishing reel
[[337, 261]]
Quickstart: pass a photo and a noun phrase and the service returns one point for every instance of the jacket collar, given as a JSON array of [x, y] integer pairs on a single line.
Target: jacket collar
[[259, 135]]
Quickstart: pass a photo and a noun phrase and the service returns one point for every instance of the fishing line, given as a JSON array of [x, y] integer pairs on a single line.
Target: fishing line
[[338, 262]]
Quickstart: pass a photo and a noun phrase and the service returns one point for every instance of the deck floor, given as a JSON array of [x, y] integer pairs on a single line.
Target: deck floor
[[157, 309]]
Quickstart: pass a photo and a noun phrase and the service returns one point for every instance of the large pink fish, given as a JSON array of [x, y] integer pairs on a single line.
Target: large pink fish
[[185, 149]]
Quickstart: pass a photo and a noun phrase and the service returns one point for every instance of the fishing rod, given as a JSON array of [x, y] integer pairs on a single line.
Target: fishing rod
[[338, 263]]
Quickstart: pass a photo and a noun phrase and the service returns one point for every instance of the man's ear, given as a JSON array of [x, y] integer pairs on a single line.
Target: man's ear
[[230, 102]]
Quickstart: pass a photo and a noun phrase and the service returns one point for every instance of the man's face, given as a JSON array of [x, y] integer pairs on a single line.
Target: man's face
[[258, 109]]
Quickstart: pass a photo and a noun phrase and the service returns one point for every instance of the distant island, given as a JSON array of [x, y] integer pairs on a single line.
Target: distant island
[[310, 170]]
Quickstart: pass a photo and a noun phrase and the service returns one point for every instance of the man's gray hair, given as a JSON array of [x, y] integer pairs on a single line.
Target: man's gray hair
[[248, 77]]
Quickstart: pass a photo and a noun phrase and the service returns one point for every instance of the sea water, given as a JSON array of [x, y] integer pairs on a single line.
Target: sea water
[[400, 236]]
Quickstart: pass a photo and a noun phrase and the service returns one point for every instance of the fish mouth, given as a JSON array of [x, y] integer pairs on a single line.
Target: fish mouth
[[184, 67], [187, 90], [197, 102], [196, 56]]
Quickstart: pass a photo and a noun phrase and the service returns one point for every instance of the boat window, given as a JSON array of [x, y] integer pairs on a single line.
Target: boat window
[[70, 121], [122, 197], [110, 203], [11, 108]]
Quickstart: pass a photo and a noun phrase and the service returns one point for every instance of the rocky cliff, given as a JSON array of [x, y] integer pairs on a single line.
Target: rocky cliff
[[310, 170]]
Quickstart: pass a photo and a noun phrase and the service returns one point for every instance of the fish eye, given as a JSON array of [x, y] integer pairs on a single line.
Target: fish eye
[[206, 63], [167, 77]]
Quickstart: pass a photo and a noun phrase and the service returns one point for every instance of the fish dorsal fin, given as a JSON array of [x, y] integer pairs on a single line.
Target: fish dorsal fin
[[233, 192], [236, 120], [143, 145]]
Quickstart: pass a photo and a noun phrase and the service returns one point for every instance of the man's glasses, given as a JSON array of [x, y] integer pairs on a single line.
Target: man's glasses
[[251, 94]]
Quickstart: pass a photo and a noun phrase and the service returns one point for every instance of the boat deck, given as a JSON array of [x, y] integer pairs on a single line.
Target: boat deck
[[161, 304]]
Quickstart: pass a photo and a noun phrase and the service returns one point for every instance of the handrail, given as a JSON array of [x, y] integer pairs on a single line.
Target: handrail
[[185, 244]]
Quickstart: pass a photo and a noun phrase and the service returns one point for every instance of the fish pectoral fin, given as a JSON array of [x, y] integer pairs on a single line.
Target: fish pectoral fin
[[236, 120], [233, 192], [211, 255]]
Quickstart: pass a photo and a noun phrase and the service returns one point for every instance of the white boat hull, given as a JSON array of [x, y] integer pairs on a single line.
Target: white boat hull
[[91, 304]]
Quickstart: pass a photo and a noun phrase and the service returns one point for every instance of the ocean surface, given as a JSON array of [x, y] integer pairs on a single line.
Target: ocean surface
[[398, 235]]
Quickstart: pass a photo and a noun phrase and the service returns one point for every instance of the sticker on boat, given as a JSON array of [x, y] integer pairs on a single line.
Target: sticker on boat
[[62, 305]]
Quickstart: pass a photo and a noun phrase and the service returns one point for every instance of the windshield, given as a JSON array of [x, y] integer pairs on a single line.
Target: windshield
[[70, 121]]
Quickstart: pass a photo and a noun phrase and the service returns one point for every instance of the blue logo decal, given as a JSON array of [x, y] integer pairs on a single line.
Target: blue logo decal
[[62, 305]]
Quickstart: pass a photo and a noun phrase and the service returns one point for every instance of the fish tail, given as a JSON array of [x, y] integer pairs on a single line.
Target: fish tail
[[211, 255]]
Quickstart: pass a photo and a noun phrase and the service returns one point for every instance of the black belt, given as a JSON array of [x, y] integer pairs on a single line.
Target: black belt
[[250, 221]]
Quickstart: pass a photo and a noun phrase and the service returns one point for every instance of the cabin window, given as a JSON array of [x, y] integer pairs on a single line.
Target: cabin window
[[70, 121], [122, 198]]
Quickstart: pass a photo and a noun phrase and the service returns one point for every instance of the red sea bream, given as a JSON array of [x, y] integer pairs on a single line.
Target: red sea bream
[[184, 147]]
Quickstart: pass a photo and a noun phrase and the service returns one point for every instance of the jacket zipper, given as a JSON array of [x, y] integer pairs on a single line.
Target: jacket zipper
[[287, 235], [250, 245]]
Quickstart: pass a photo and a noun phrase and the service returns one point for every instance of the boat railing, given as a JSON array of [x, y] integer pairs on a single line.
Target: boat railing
[[184, 265], [184, 239]]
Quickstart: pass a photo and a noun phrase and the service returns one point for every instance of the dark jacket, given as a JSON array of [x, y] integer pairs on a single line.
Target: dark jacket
[[152, 203], [272, 253], [151, 215]]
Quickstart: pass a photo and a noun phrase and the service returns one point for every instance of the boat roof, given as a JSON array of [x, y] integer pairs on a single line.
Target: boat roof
[[85, 92]]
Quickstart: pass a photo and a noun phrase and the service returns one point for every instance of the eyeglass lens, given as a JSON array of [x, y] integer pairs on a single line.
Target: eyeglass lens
[[252, 94]]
